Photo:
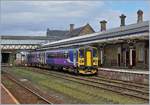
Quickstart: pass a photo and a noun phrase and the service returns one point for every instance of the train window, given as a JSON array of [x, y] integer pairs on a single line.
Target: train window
[[57, 55], [94, 52], [65, 55], [50, 55], [81, 53]]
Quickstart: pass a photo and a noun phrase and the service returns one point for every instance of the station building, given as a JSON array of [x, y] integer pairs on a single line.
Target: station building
[[128, 49], [123, 51], [127, 53], [126, 46]]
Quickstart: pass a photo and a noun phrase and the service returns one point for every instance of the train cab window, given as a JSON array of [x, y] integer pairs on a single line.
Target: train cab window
[[81, 53], [94, 53]]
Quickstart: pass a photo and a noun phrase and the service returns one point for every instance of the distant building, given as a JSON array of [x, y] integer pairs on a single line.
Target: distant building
[[54, 35]]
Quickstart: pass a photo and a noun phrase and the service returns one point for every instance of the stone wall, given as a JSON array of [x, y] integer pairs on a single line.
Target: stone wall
[[141, 55], [133, 77], [110, 55]]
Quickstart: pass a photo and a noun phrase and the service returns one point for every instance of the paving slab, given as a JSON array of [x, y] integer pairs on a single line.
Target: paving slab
[[6, 96]]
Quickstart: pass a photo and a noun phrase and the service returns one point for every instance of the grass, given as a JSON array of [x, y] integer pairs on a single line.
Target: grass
[[82, 93], [7, 83]]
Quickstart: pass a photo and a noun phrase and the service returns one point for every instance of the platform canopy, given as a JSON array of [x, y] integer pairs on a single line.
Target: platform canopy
[[21, 42], [137, 31]]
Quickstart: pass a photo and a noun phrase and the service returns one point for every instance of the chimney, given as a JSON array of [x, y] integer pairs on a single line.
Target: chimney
[[139, 16], [71, 27], [47, 32], [122, 17], [103, 25]]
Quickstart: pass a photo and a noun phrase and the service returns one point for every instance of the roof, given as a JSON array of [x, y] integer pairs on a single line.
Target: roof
[[111, 33], [13, 37], [21, 42], [77, 31], [64, 34], [56, 34]]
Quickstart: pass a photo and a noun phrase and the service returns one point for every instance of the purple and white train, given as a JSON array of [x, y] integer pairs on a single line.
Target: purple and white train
[[83, 60]]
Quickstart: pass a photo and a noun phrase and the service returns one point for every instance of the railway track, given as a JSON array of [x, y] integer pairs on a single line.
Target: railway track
[[137, 91], [35, 97], [123, 84]]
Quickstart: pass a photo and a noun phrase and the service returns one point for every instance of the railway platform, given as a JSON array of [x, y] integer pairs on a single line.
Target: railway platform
[[137, 76], [7, 97]]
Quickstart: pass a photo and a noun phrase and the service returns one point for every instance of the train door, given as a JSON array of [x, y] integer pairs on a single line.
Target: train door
[[44, 58], [74, 57], [71, 56], [88, 58]]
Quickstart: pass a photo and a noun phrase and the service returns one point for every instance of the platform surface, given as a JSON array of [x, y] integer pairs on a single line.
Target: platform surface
[[6, 96], [135, 71]]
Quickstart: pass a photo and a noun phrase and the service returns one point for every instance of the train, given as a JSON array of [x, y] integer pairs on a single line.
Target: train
[[81, 60]]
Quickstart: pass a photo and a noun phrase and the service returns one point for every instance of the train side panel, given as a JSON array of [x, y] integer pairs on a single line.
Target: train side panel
[[60, 58]]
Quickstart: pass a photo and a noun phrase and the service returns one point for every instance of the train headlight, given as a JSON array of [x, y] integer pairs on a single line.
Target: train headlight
[[95, 62], [81, 61]]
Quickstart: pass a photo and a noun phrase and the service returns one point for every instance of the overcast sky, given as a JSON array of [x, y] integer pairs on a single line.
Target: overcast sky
[[34, 17]]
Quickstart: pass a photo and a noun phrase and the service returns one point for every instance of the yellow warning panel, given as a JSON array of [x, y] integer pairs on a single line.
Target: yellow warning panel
[[88, 58]]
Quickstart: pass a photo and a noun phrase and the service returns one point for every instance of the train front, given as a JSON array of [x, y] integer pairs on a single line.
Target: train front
[[88, 60]]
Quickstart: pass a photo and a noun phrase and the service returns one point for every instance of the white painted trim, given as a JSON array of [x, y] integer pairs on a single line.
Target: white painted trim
[[101, 56], [125, 58], [131, 63]]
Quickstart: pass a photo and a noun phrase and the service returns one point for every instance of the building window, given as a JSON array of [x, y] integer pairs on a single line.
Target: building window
[[141, 54]]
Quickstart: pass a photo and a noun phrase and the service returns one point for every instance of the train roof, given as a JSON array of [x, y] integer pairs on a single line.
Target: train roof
[[62, 49]]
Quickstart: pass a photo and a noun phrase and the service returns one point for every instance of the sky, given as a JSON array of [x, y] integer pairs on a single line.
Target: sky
[[34, 17]]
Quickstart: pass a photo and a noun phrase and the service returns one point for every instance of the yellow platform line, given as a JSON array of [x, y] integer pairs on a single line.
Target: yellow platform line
[[14, 99]]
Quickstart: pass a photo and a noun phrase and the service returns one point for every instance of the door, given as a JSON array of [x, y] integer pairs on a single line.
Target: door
[[118, 59], [5, 57], [133, 57], [127, 58], [88, 58]]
